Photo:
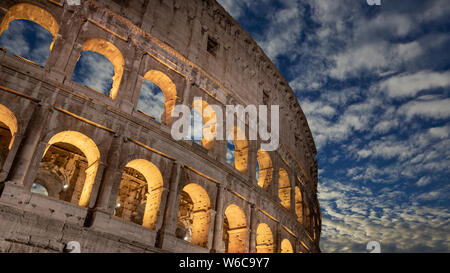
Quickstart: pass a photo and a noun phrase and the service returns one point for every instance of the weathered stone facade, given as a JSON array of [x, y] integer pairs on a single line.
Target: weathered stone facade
[[113, 178]]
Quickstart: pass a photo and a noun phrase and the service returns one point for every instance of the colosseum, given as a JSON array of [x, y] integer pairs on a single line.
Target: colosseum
[[80, 165]]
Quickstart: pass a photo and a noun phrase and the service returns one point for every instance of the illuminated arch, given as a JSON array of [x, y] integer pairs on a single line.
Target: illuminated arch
[[154, 181], [168, 88], [88, 147], [236, 230], [8, 118], [113, 54], [284, 188], [241, 149], [286, 246], [200, 214], [264, 239], [32, 13], [265, 169], [298, 204], [209, 122]]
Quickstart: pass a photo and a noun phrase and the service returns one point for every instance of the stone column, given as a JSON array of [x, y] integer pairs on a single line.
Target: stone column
[[276, 175], [253, 227], [293, 184], [168, 225], [63, 47], [129, 79], [187, 91], [218, 221], [251, 165], [278, 238], [25, 154], [111, 178]]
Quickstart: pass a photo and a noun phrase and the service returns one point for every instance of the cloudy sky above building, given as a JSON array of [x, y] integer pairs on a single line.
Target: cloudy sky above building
[[374, 83]]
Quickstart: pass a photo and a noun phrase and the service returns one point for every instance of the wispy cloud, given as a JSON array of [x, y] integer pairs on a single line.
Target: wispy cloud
[[95, 71], [28, 40], [376, 94]]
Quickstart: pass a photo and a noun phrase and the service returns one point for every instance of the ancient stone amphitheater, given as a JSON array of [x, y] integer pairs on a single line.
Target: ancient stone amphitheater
[[79, 165]]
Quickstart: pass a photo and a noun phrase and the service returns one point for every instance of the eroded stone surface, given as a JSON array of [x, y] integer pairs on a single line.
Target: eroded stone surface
[[78, 143]]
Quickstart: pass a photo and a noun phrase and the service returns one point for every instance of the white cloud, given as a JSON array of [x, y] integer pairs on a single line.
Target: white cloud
[[151, 100], [410, 85], [347, 226], [423, 181], [376, 57], [436, 109]]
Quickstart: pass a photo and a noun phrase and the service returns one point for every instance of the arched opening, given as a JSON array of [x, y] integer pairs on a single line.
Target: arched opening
[[69, 167], [94, 69], [237, 146], [298, 204], [29, 31], [140, 193], [264, 239], [151, 98], [208, 123], [234, 229], [264, 170], [8, 130], [284, 188], [196, 127], [194, 215], [38, 188], [230, 152], [286, 246]]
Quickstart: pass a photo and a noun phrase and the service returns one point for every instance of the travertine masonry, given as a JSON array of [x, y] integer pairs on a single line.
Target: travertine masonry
[[77, 165]]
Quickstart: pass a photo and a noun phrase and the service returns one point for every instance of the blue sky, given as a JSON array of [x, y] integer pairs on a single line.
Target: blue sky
[[374, 83]]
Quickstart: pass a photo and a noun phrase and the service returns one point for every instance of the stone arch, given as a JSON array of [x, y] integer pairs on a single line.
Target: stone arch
[[209, 119], [264, 239], [113, 54], [235, 229], [298, 204], [241, 149], [286, 246], [140, 192], [198, 215], [88, 147], [284, 188], [265, 169], [31, 13], [168, 88], [9, 120]]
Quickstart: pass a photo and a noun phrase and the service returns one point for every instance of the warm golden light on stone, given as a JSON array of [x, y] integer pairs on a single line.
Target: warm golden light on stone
[[90, 151], [264, 239], [9, 119], [113, 55], [284, 188], [34, 14], [200, 213], [240, 150], [265, 169], [154, 181], [298, 204], [209, 122], [237, 232], [168, 88], [286, 246]]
